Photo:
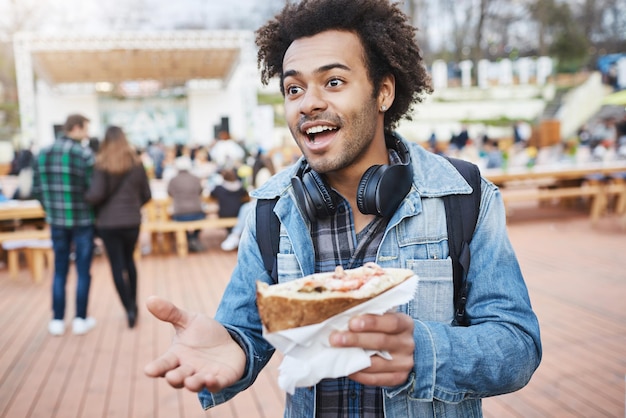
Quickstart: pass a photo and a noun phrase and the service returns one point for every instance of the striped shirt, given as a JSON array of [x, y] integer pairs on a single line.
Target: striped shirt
[[61, 180]]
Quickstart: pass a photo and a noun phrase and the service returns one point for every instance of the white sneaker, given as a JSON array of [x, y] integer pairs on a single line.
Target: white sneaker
[[82, 326], [230, 243], [56, 327]]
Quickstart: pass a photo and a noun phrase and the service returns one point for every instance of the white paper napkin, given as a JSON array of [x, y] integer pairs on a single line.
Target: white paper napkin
[[308, 357]]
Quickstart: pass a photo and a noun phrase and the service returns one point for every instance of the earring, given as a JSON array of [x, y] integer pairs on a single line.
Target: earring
[[383, 108]]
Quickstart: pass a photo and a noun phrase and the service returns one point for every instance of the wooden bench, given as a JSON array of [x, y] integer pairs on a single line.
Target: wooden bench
[[179, 229], [35, 244], [596, 192], [616, 188]]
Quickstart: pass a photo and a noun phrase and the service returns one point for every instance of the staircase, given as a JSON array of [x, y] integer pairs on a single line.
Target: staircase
[[553, 106]]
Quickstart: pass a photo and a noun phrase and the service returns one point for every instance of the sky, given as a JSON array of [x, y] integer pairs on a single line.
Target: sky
[[96, 15]]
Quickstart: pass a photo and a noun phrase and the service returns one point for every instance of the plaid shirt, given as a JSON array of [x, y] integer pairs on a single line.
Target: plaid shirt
[[62, 176], [337, 243]]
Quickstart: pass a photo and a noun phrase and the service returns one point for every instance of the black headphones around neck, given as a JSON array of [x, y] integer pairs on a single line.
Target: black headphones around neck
[[380, 191]]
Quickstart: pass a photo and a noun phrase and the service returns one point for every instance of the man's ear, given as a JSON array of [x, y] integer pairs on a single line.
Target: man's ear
[[387, 92]]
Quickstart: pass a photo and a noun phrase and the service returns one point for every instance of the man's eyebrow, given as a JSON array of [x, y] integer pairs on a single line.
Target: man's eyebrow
[[320, 70], [325, 68]]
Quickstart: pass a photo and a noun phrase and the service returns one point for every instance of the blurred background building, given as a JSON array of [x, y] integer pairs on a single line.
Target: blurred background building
[[179, 72]]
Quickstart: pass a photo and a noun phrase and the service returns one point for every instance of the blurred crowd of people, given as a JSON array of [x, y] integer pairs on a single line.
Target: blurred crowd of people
[[601, 140], [93, 193], [112, 183]]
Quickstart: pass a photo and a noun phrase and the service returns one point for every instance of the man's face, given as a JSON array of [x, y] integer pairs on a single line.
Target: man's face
[[328, 101]]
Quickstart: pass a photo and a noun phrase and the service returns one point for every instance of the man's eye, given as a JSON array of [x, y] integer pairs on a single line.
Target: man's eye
[[335, 82], [291, 90]]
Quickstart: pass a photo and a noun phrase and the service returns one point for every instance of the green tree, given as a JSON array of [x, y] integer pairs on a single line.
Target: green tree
[[570, 45]]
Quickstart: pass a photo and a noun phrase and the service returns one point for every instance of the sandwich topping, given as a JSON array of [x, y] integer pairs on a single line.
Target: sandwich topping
[[342, 281]]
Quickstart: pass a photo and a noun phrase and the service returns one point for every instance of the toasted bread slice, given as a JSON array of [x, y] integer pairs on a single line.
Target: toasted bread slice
[[315, 298]]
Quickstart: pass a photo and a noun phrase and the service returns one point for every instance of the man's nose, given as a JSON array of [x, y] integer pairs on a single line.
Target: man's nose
[[312, 101]]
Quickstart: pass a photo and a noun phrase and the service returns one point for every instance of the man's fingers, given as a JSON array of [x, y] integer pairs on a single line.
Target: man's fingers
[[166, 311], [196, 382], [160, 366], [176, 377], [390, 323], [391, 332]]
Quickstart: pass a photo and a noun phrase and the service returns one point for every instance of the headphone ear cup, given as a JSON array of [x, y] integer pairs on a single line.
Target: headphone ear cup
[[302, 198], [313, 195], [366, 192], [318, 192]]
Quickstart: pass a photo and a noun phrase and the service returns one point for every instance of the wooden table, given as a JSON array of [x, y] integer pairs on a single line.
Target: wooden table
[[558, 172], [34, 242], [595, 181], [21, 209]]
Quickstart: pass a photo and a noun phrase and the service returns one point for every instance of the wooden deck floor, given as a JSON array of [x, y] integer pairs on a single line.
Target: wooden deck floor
[[577, 280]]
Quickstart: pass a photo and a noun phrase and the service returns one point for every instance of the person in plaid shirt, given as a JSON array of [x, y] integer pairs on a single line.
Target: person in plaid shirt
[[61, 179]]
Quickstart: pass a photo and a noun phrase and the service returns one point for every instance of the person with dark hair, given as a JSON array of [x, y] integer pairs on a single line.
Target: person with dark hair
[[229, 193], [118, 190], [22, 167], [349, 71], [61, 179]]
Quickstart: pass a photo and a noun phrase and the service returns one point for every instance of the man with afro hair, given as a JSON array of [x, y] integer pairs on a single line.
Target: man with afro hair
[[349, 70]]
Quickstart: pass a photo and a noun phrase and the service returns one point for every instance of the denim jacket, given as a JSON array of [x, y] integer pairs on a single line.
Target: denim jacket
[[454, 366]]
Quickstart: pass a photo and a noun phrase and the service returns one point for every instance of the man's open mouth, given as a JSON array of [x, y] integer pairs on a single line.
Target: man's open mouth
[[316, 130]]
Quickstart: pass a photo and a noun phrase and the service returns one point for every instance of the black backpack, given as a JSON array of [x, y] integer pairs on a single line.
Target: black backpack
[[461, 217]]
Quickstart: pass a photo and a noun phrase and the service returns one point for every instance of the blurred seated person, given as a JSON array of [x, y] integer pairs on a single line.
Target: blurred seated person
[[232, 240], [263, 169], [458, 142], [226, 152], [169, 164], [3, 198], [22, 167], [230, 194], [493, 154], [203, 167], [186, 192], [23, 158]]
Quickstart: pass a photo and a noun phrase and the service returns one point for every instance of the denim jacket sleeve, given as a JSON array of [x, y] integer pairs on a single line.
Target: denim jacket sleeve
[[238, 313], [501, 348]]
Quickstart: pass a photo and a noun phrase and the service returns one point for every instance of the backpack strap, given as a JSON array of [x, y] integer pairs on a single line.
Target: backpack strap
[[268, 234], [461, 217]]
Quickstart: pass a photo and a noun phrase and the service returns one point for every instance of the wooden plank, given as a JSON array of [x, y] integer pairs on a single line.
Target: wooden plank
[[173, 226], [556, 172], [574, 272], [24, 234]]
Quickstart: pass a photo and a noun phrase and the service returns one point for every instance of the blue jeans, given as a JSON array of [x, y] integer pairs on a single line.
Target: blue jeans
[[62, 239]]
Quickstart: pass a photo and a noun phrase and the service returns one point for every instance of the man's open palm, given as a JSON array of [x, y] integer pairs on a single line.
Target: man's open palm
[[202, 354]]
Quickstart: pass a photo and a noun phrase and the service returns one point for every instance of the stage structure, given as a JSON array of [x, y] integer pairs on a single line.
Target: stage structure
[[216, 70]]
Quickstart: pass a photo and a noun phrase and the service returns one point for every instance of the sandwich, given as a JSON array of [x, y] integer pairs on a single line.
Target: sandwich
[[315, 298]]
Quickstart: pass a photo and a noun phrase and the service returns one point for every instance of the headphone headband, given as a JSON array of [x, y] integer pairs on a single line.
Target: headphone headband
[[381, 188]]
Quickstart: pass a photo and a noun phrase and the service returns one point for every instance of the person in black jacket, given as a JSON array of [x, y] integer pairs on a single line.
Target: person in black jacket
[[119, 188]]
